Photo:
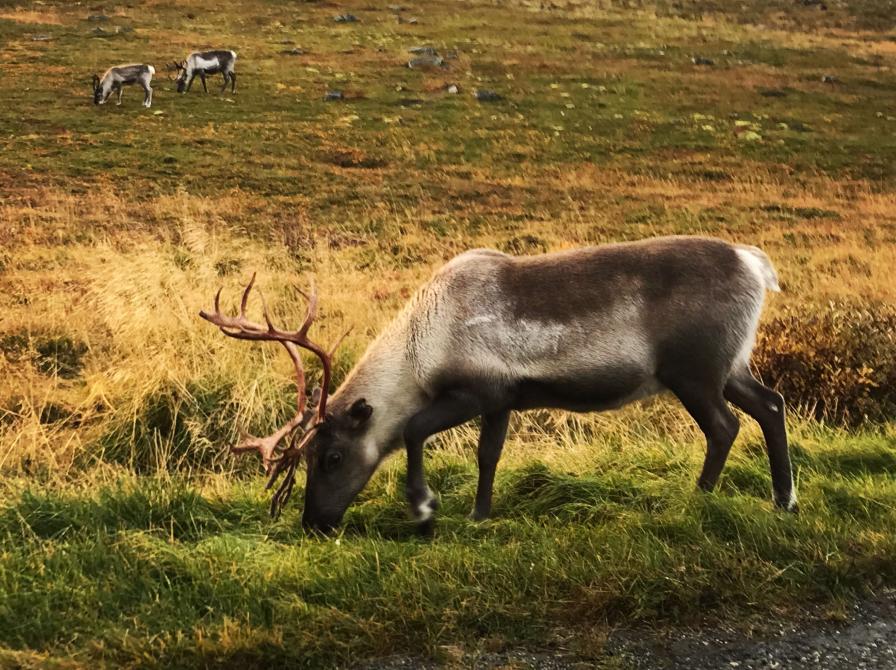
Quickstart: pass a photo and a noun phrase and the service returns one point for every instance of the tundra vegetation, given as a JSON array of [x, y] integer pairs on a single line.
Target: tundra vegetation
[[131, 538]]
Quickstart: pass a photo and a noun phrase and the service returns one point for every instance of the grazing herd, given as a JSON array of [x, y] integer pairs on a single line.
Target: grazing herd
[[197, 64]]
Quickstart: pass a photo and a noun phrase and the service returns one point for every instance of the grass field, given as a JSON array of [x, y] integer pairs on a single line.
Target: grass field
[[131, 538]]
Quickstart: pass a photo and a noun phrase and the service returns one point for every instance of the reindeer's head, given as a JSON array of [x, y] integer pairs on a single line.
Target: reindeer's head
[[181, 79], [340, 457], [98, 98]]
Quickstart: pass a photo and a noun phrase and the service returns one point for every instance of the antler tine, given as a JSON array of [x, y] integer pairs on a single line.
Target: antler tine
[[311, 314], [218, 300], [338, 341], [300, 376], [245, 300]]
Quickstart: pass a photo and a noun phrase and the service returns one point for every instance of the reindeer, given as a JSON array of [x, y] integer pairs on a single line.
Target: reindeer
[[116, 78], [206, 62], [582, 330]]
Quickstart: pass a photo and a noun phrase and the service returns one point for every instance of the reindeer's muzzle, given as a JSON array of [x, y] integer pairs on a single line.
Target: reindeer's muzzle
[[324, 527]]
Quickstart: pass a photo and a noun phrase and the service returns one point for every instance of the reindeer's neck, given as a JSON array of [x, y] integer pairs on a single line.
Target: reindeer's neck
[[385, 378]]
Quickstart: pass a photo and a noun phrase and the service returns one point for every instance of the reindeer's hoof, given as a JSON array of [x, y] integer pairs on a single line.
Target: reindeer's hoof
[[788, 504], [476, 515], [427, 528]]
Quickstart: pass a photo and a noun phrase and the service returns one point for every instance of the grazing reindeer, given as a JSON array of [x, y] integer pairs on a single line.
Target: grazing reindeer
[[582, 330], [206, 62], [116, 78]]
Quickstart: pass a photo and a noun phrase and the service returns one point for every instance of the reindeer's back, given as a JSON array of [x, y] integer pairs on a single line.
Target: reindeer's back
[[489, 315]]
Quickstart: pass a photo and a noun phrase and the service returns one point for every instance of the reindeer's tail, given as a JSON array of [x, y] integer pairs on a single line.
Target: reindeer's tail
[[757, 260]]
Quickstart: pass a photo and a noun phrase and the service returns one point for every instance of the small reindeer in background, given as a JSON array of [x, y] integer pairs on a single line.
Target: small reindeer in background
[[119, 76], [202, 63]]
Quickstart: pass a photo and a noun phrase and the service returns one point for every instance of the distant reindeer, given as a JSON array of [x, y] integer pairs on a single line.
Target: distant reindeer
[[116, 78], [582, 330], [202, 63]]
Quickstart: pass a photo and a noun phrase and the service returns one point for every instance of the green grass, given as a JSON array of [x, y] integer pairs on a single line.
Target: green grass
[[159, 571]]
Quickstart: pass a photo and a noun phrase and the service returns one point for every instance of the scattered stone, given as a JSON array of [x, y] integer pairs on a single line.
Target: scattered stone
[[334, 94], [295, 51], [749, 136], [345, 18], [410, 20], [98, 18], [41, 38], [453, 88], [485, 95], [829, 79], [702, 60]]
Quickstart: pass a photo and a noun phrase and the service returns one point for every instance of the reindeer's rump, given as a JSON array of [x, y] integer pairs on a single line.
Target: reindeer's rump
[[603, 324]]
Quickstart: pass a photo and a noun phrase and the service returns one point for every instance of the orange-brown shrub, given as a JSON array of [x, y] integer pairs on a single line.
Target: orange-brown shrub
[[837, 361]]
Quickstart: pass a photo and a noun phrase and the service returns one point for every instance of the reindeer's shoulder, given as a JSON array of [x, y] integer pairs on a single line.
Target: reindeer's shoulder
[[472, 260]]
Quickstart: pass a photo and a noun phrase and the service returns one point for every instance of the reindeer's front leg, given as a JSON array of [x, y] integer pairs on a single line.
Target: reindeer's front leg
[[202, 79], [446, 411], [120, 91]]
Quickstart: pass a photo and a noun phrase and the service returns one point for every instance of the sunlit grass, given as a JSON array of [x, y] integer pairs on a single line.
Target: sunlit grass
[[129, 535]]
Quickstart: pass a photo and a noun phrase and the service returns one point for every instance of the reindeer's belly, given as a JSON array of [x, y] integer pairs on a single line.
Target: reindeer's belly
[[600, 390]]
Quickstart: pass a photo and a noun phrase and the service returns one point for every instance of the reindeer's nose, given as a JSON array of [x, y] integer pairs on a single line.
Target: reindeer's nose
[[325, 527]]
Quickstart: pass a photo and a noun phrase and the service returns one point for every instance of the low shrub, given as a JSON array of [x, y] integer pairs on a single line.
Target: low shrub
[[837, 361]]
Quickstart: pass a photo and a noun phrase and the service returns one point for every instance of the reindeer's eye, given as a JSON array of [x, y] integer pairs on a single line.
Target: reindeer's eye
[[332, 460]]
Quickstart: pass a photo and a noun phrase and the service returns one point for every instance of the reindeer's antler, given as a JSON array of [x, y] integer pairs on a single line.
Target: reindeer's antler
[[276, 457]]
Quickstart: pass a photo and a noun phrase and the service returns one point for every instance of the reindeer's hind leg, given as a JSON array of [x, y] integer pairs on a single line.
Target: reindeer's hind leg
[[703, 400], [233, 82], [147, 94], [491, 442], [226, 80], [767, 407]]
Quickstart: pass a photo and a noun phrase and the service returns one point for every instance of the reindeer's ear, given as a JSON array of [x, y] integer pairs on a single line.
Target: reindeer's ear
[[360, 412]]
